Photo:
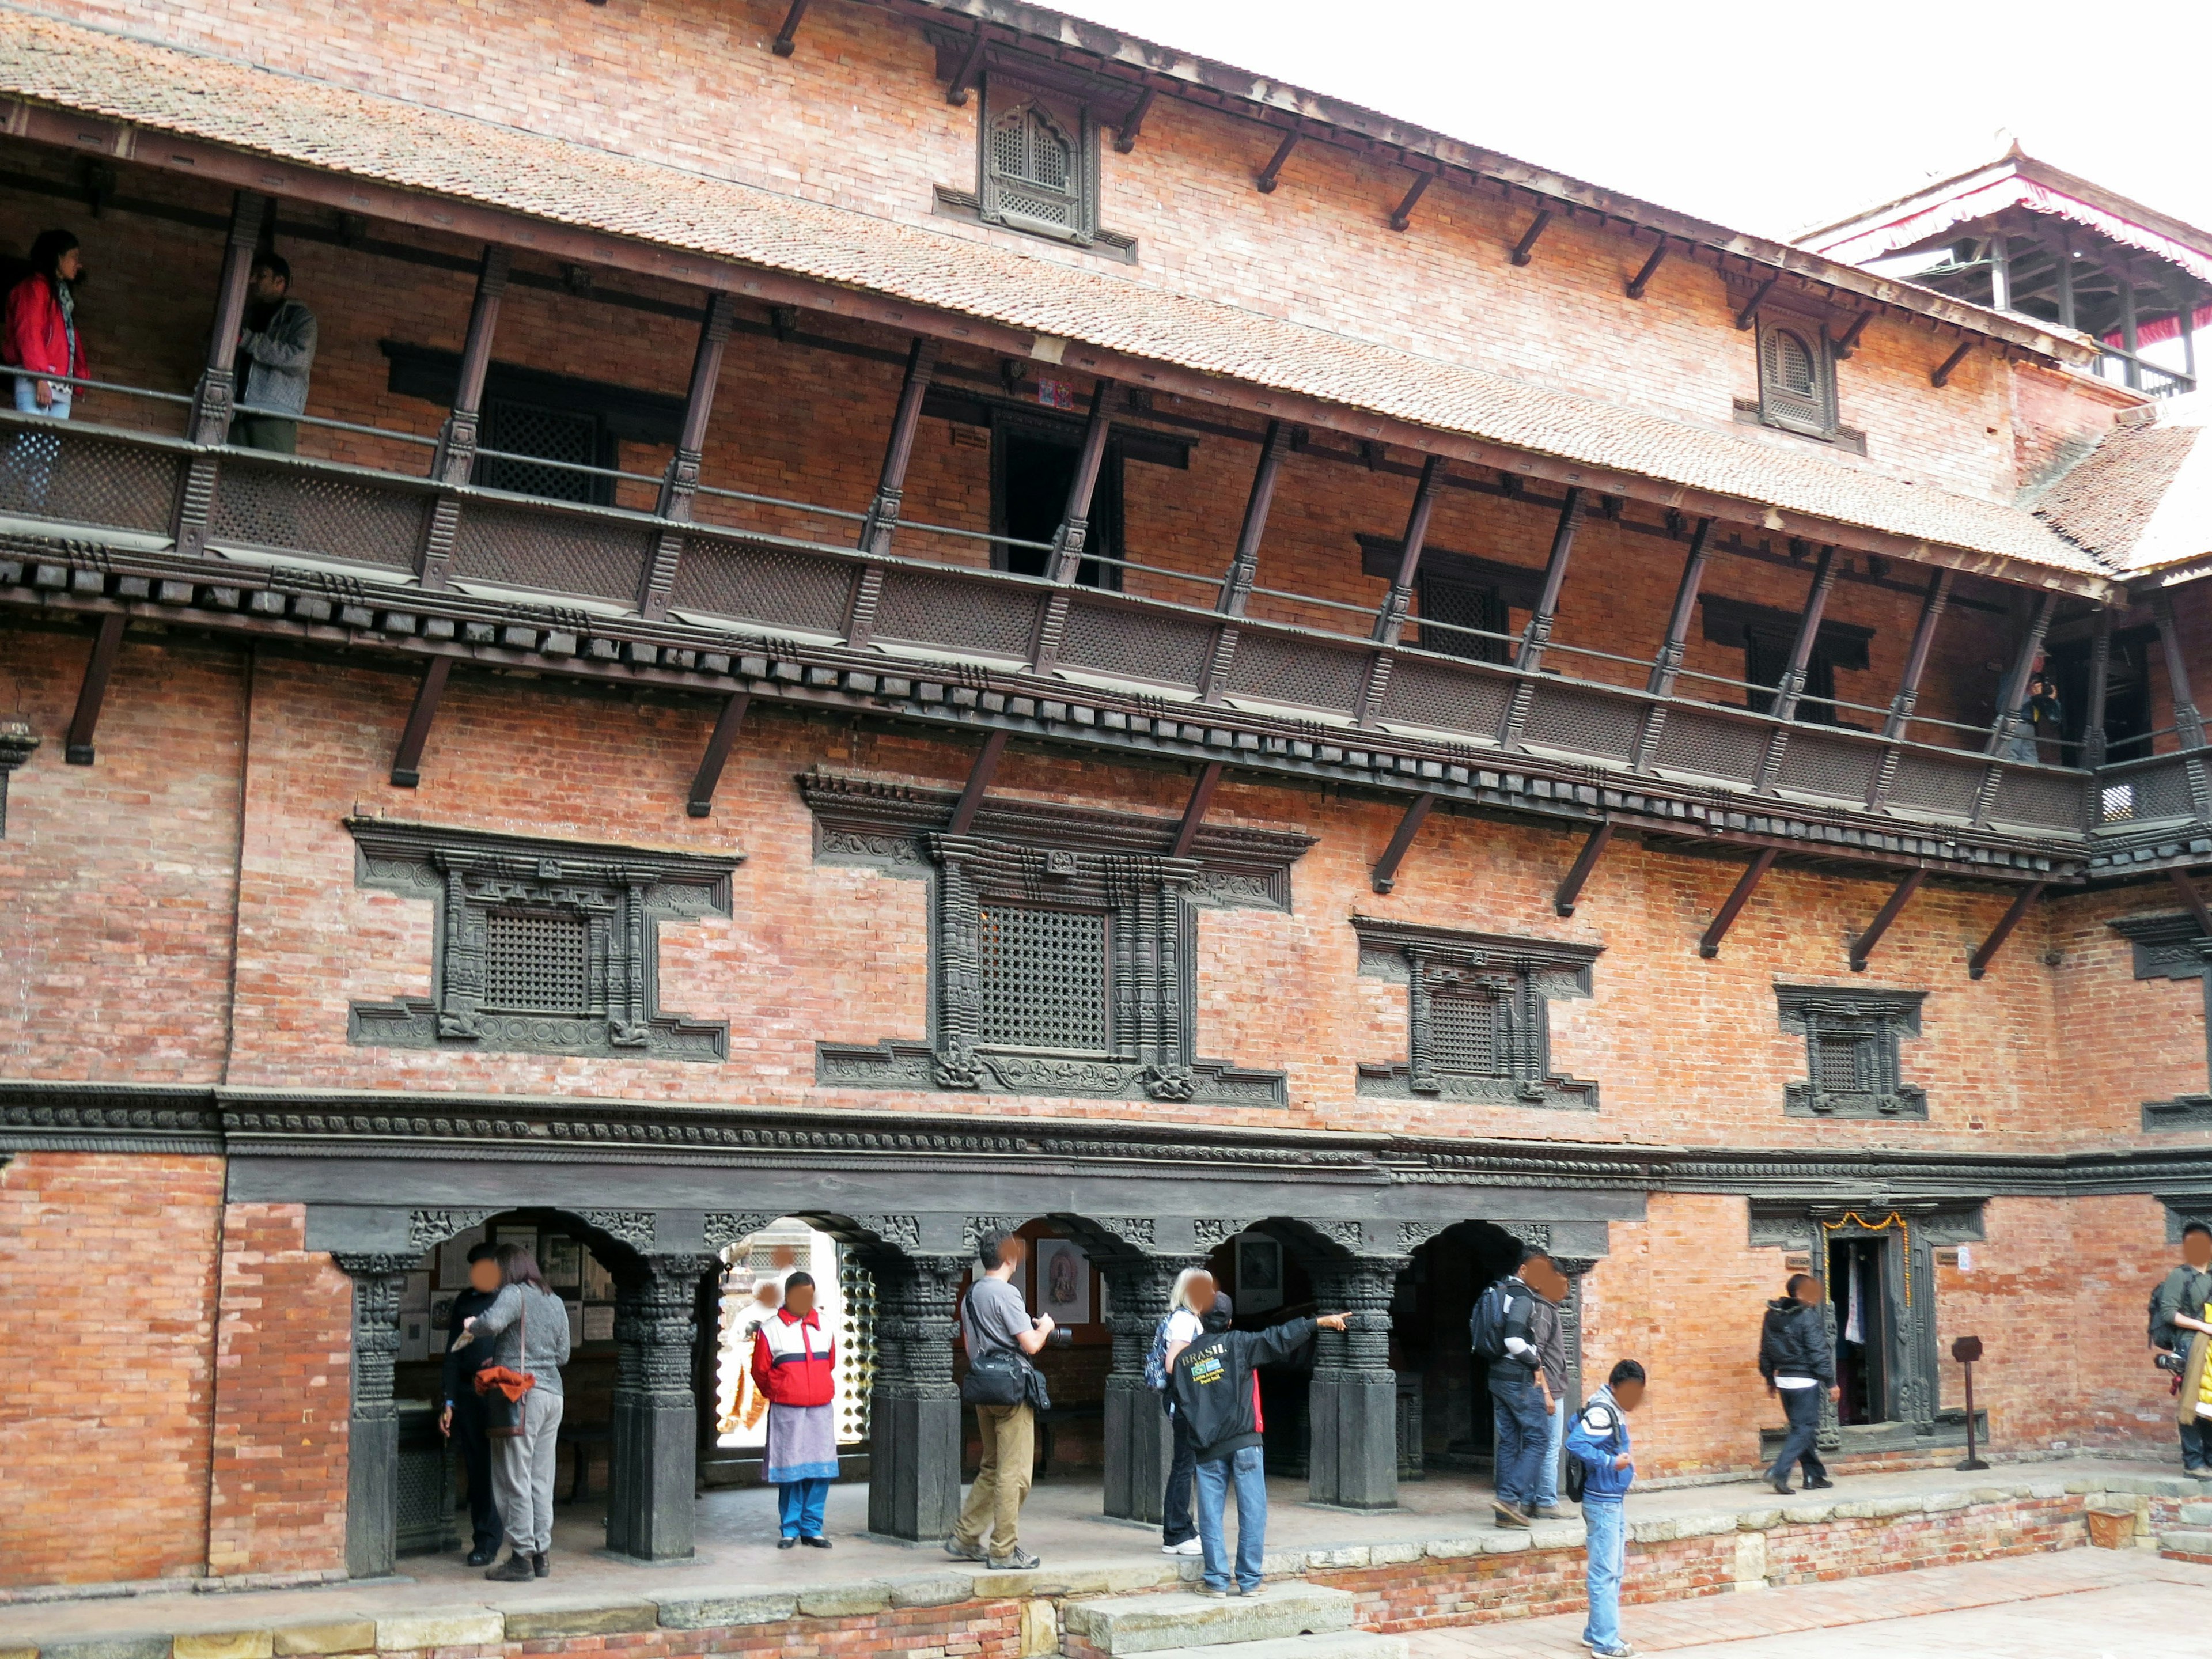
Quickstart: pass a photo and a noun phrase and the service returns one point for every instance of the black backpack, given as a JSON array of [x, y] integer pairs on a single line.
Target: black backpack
[[1486, 1327], [1572, 1477]]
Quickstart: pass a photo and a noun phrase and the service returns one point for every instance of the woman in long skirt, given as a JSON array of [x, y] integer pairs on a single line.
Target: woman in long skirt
[[795, 1364]]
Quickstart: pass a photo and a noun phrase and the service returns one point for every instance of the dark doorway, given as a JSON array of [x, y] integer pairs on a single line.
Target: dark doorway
[[2127, 694], [1766, 659], [1032, 468], [1429, 1317], [1448, 604], [1859, 1293]]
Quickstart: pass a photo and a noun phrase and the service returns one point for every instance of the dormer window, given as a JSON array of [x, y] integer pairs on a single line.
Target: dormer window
[[1039, 162], [1797, 379]]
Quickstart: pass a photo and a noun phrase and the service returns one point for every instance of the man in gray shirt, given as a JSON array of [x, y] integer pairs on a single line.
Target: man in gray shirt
[[993, 1320], [276, 354]]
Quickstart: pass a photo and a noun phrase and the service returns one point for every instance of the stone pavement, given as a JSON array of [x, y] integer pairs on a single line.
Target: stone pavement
[[2081, 1604]]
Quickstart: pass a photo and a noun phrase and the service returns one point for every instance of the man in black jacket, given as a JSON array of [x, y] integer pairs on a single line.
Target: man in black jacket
[[1217, 1394], [2177, 1313], [464, 1407], [1797, 1362]]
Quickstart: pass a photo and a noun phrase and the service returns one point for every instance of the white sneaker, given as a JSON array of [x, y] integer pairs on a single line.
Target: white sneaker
[[1189, 1547]]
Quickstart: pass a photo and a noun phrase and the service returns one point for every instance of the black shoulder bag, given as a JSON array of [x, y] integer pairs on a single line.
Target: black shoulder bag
[[1002, 1378]]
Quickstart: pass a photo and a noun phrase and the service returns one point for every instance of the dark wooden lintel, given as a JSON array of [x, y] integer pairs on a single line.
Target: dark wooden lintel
[[1563, 902], [407, 763], [2193, 899], [725, 734], [1942, 377], [1862, 946], [788, 35], [1525, 249], [1402, 215], [78, 752], [1201, 796], [1746, 885], [979, 780], [1273, 173], [1386, 867], [1641, 280], [1125, 135], [1979, 963]]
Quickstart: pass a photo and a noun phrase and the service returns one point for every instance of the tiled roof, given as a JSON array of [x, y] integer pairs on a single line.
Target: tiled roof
[[2143, 499], [315, 125]]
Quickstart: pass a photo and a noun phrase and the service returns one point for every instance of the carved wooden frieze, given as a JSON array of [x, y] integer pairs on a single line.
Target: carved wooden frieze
[[883, 825], [2170, 947], [1852, 1035], [1477, 1025], [542, 947]]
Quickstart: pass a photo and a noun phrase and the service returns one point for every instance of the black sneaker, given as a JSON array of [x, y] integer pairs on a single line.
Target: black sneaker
[[542, 1564], [483, 1557], [1783, 1487], [515, 1570], [816, 1542], [1819, 1483], [1017, 1561]]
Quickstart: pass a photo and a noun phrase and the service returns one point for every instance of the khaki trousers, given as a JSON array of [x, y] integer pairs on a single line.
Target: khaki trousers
[[994, 1501]]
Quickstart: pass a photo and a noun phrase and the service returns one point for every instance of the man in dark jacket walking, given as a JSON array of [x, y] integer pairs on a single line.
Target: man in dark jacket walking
[[463, 1416], [2177, 1308], [1795, 1358], [1217, 1394]]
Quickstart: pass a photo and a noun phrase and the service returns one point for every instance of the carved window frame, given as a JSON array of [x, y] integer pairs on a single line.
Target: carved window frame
[[1006, 98], [1519, 977], [1872, 1022], [1811, 413], [620, 895]]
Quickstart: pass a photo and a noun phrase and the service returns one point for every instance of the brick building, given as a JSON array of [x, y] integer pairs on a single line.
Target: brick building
[[917, 616]]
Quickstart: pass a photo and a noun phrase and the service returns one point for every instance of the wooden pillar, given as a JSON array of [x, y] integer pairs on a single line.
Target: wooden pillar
[[1353, 1396], [2126, 270], [913, 1409], [1390, 620], [1898, 721], [654, 1451], [1067, 542], [372, 1515], [218, 392], [2006, 726], [455, 459], [1667, 666], [876, 531], [2101, 671], [1530, 657], [1244, 564], [1792, 689], [2066, 280], [1139, 1443], [2189, 725], [2000, 273], [681, 482], [2185, 319]]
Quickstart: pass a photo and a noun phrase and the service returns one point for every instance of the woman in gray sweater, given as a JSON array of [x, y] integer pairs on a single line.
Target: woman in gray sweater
[[528, 1329]]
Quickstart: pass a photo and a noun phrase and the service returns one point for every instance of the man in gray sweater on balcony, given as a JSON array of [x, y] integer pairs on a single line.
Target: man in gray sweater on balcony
[[275, 352]]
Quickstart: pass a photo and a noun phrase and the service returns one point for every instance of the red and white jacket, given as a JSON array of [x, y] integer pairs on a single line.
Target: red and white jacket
[[794, 1363]]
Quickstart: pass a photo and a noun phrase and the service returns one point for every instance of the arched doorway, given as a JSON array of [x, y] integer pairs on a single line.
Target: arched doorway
[[1444, 1406]]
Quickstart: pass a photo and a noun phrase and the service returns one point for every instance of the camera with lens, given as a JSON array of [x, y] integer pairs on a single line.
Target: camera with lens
[[2170, 1362], [1061, 1337]]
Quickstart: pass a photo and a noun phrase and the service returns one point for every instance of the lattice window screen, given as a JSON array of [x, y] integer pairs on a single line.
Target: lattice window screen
[[1043, 978], [1842, 1057], [1462, 605], [1464, 1027], [1034, 162], [558, 434], [535, 962], [1793, 379]]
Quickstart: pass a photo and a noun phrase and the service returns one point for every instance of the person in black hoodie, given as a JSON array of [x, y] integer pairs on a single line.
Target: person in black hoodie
[[1217, 1394], [463, 1416], [1797, 1362]]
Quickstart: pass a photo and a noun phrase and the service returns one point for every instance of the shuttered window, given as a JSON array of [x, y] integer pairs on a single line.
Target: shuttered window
[[1037, 158], [1465, 1033], [1796, 383], [1043, 978], [535, 962]]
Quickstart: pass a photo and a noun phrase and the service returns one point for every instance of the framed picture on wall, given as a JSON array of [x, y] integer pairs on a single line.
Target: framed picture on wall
[[1259, 1273], [598, 1283], [1063, 1281], [563, 1262], [453, 1259]]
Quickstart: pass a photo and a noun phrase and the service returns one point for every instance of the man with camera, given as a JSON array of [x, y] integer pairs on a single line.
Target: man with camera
[[1004, 1388], [2177, 1308]]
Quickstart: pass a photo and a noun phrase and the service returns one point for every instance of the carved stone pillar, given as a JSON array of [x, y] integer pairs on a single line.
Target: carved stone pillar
[[654, 1457], [913, 1410], [372, 1434], [1354, 1398], [1138, 1443]]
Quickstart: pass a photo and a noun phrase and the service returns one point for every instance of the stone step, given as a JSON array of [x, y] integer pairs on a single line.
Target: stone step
[[2196, 1544], [1328, 1644], [1160, 1624]]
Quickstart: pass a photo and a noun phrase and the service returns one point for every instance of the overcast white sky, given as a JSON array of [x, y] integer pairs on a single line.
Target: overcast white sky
[[1768, 118]]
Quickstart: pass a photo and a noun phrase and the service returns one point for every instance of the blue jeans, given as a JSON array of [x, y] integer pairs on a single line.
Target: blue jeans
[[798, 1505], [1608, 1531], [1247, 1467], [1523, 1427], [1547, 1472], [1803, 1407]]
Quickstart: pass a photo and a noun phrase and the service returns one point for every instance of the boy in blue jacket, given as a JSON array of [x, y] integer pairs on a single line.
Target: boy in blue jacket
[[1599, 1441]]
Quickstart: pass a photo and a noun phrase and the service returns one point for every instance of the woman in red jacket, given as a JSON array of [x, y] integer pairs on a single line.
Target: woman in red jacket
[[795, 1364], [40, 326]]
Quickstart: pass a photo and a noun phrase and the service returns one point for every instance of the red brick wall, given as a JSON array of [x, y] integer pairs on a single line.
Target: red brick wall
[[108, 1269], [283, 1358]]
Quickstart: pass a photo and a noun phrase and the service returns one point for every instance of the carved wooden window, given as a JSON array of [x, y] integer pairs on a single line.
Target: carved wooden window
[[1476, 1021], [1797, 378], [1043, 978], [1449, 606], [1852, 1065], [543, 946], [1039, 162]]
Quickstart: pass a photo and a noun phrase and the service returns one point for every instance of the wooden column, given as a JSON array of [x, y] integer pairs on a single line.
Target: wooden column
[[681, 482], [218, 392], [1898, 721], [2189, 725], [77, 750], [2126, 270], [2006, 726], [2101, 671], [1244, 564], [1667, 666], [876, 531], [1530, 657], [2065, 280], [2000, 273], [455, 459], [1390, 620], [1792, 689], [1068, 541]]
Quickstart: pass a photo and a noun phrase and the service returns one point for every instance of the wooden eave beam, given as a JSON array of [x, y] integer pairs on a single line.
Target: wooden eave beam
[[2022, 901], [1385, 874], [477, 222], [1747, 884], [1271, 174], [979, 780], [719, 743], [1194, 815], [98, 667], [1862, 946], [1942, 377], [1525, 249], [407, 760], [787, 37], [1402, 215], [1641, 280], [1563, 900], [1133, 125]]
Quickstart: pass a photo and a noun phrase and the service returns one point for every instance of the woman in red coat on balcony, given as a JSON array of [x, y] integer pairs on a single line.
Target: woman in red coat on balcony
[[40, 326], [795, 1364]]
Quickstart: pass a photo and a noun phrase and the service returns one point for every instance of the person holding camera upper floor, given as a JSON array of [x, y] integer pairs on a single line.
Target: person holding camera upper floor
[[1217, 1394], [2179, 1315], [999, 1335], [1798, 1362]]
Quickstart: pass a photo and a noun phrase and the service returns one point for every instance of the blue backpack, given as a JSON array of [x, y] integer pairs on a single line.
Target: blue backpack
[[1155, 1362]]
